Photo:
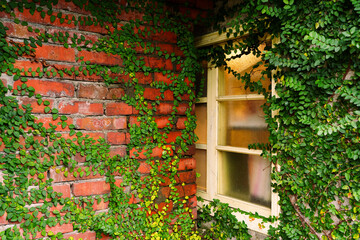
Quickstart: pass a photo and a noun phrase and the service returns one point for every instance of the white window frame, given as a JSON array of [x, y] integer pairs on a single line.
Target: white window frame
[[212, 148]]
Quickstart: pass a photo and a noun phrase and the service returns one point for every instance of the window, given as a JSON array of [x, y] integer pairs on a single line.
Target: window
[[230, 118]]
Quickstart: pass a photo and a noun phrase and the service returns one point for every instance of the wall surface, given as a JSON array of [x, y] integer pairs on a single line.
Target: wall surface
[[93, 107]]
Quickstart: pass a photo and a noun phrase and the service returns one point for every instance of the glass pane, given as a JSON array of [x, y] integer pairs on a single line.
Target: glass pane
[[242, 123], [201, 166], [201, 121], [232, 86], [245, 177]]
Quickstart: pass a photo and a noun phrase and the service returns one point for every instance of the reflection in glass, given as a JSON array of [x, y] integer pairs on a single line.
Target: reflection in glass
[[201, 166], [242, 123], [245, 177], [201, 121], [230, 85]]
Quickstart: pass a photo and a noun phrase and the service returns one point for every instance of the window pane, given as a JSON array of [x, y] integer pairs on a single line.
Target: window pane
[[230, 85], [245, 177], [201, 121], [242, 123], [201, 165]]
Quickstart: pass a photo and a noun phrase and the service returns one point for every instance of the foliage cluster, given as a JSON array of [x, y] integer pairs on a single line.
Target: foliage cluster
[[314, 117], [30, 149]]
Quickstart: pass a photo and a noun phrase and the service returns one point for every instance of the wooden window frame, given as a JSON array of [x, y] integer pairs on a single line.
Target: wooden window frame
[[212, 148]]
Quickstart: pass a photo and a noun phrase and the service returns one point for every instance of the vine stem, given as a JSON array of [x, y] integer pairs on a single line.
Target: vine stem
[[303, 219]]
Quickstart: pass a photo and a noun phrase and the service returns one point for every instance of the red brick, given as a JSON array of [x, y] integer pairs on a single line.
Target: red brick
[[101, 58], [187, 177], [48, 120], [156, 152], [96, 28], [101, 123], [101, 205], [164, 108], [162, 122], [159, 77], [85, 108], [92, 91], [77, 236], [64, 189], [49, 88], [55, 53], [88, 36], [190, 189], [58, 175], [166, 47], [115, 93], [92, 188], [65, 228], [3, 219], [118, 108], [36, 108], [187, 164], [144, 168], [116, 138], [192, 202], [121, 151], [172, 137], [154, 94], [183, 107], [36, 18], [26, 65], [168, 37], [160, 63], [63, 4], [134, 120], [19, 31], [180, 124]]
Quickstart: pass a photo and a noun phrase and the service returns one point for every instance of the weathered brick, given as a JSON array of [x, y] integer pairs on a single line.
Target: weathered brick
[[118, 108], [70, 6], [86, 108], [50, 88], [36, 18], [101, 58], [144, 168], [36, 108], [49, 120], [120, 150], [58, 175], [187, 164], [180, 124], [64, 189], [171, 137], [154, 94], [92, 91], [187, 177], [159, 77], [92, 188], [101, 123], [77, 236], [115, 93], [116, 138], [3, 219], [160, 63], [164, 108], [190, 189], [162, 122], [19, 31], [55, 53], [28, 65]]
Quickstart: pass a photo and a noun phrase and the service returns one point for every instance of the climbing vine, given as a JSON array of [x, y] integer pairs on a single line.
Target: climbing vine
[[313, 118], [30, 148]]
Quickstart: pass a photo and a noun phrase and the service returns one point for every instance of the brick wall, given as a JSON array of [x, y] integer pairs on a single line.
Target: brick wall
[[93, 107]]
